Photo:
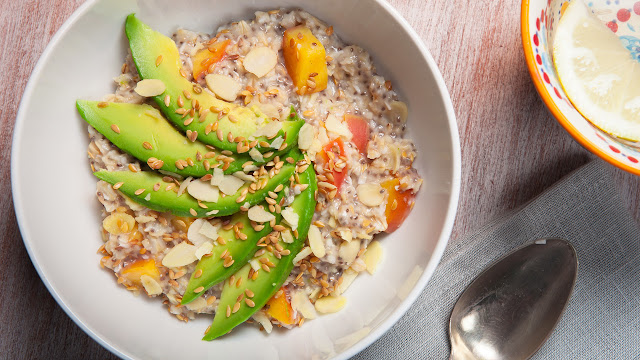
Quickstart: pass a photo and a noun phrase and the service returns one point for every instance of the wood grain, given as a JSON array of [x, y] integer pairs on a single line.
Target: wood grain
[[512, 149]]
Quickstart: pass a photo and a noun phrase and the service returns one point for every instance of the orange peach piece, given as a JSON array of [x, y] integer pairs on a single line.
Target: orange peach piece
[[206, 57], [399, 204], [305, 59], [136, 269], [280, 308]]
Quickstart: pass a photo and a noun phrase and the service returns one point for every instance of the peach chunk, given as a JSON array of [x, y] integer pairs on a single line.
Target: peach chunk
[[399, 204], [305, 59], [136, 269], [280, 308], [206, 57]]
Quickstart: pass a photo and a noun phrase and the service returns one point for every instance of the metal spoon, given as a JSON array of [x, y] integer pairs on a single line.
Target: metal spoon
[[510, 309]]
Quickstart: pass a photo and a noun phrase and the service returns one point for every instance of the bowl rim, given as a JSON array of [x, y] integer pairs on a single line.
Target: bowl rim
[[550, 103], [386, 325]]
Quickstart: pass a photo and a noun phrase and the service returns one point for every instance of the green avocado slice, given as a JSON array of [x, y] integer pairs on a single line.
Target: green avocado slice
[[136, 125], [139, 186], [156, 57], [211, 269], [267, 283]]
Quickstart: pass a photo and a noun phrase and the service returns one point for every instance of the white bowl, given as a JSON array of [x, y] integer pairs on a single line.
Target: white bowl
[[55, 203]]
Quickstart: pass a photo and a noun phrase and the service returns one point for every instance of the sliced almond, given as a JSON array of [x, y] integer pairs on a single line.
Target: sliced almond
[[258, 214], [150, 284], [132, 204], [256, 155], [255, 264], [346, 234], [269, 110], [204, 249], [230, 185], [301, 303], [373, 150], [323, 137], [263, 320], [277, 142], [373, 256], [269, 130], [180, 255], [197, 304], [184, 184], [363, 235], [119, 223], [336, 126], [290, 217], [287, 236], [306, 251], [203, 191], [358, 265], [349, 250], [305, 137], [244, 176], [399, 111], [330, 304], [143, 219], [150, 87], [316, 242], [347, 279], [260, 60], [208, 230], [218, 175], [395, 156], [370, 194], [315, 148], [225, 87], [193, 233]]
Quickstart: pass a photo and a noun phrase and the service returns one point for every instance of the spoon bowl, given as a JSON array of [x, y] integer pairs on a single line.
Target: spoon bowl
[[511, 308]]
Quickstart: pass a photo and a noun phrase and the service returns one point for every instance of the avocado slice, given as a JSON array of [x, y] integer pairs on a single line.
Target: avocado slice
[[156, 57], [143, 132], [139, 186], [266, 284], [211, 269]]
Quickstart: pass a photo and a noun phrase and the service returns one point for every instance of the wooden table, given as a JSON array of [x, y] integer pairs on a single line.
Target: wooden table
[[512, 149]]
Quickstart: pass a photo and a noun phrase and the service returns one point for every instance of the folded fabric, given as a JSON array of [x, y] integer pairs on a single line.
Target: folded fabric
[[602, 319]]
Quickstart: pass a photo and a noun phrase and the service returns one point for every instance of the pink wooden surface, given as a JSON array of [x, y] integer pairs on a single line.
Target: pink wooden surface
[[512, 149]]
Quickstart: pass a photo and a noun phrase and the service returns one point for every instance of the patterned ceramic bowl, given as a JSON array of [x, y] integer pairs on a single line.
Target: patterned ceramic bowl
[[538, 22]]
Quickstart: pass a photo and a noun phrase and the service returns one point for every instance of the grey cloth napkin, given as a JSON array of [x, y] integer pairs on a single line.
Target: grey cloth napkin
[[602, 320]]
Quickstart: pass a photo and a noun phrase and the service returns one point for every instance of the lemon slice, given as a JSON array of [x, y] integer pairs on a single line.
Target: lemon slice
[[597, 72]]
